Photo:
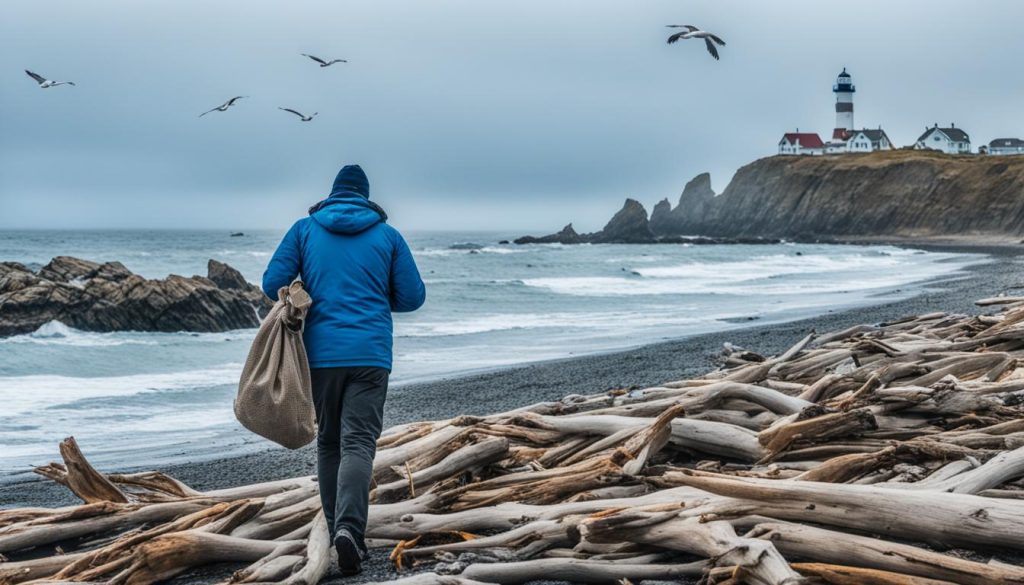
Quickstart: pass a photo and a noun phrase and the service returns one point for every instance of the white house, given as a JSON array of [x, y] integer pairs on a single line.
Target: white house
[[868, 141], [1006, 146], [950, 140], [864, 140], [797, 143]]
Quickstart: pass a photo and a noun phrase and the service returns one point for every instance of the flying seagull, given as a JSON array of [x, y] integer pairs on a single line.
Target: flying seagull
[[324, 63], [301, 116], [45, 83], [224, 107], [693, 32]]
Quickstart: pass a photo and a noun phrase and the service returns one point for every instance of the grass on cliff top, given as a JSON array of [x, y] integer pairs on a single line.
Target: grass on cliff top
[[887, 157]]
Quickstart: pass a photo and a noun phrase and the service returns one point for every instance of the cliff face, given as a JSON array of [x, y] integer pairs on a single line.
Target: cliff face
[[915, 194]]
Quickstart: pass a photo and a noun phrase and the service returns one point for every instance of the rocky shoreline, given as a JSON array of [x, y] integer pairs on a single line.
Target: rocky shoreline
[[108, 297]]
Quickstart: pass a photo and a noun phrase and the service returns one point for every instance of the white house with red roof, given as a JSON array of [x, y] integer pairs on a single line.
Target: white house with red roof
[[801, 143]]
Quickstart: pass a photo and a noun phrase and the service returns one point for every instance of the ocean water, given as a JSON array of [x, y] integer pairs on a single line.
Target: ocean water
[[489, 305]]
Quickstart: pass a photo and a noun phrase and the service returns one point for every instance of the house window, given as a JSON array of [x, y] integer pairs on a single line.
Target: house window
[[936, 138]]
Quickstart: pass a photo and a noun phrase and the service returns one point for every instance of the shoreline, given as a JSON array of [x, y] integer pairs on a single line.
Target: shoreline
[[506, 388]]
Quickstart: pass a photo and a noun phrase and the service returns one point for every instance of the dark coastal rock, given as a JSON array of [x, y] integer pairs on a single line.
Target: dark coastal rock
[[67, 269], [628, 226], [660, 216], [226, 277], [109, 297], [693, 203], [568, 235]]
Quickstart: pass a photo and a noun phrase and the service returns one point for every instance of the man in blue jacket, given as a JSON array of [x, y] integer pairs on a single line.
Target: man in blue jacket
[[358, 270]]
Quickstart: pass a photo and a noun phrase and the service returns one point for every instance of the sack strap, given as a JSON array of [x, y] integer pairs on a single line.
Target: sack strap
[[298, 297], [296, 303]]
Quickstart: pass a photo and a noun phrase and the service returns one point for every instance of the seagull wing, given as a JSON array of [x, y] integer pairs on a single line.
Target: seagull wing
[[717, 39], [711, 48], [333, 61], [317, 59], [232, 101], [37, 77], [299, 114], [688, 27], [208, 111], [676, 37]]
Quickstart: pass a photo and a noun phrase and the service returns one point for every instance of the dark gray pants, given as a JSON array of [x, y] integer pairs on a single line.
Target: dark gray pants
[[349, 413]]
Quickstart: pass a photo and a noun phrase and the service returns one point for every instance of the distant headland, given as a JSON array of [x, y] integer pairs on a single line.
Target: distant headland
[[895, 194]]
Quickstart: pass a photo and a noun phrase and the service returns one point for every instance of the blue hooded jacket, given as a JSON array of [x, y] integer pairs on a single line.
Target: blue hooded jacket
[[357, 269]]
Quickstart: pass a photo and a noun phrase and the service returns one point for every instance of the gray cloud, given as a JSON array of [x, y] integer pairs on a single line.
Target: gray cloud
[[466, 114]]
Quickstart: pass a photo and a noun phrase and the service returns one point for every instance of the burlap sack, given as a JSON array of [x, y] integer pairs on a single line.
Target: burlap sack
[[275, 398]]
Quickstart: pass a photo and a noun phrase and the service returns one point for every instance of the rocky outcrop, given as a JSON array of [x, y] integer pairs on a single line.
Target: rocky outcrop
[[628, 226], [660, 215], [695, 200], [895, 194], [568, 235], [226, 277], [109, 297], [631, 226]]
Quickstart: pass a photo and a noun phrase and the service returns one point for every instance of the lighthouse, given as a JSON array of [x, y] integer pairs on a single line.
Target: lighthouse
[[845, 138], [844, 105]]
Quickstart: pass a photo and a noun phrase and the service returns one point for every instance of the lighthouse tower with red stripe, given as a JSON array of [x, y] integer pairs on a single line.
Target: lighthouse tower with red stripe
[[844, 90]]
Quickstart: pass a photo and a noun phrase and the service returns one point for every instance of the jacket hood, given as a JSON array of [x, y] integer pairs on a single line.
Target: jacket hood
[[351, 180], [348, 210]]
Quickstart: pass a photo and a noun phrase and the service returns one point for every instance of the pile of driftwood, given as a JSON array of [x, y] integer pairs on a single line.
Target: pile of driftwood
[[889, 454]]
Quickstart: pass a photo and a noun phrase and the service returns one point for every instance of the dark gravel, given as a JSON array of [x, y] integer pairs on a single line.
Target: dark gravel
[[509, 388]]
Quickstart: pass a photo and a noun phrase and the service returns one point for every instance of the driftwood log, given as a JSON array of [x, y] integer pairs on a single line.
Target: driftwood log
[[888, 454]]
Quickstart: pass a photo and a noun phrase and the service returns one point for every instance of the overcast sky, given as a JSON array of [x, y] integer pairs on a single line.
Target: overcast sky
[[466, 114]]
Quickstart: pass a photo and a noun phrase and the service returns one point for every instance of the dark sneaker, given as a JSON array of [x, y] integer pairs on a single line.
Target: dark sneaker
[[349, 556]]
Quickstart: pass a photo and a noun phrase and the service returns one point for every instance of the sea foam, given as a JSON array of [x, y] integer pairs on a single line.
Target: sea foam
[[24, 394]]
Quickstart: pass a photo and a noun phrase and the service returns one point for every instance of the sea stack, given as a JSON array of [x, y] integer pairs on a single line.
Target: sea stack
[[629, 226]]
